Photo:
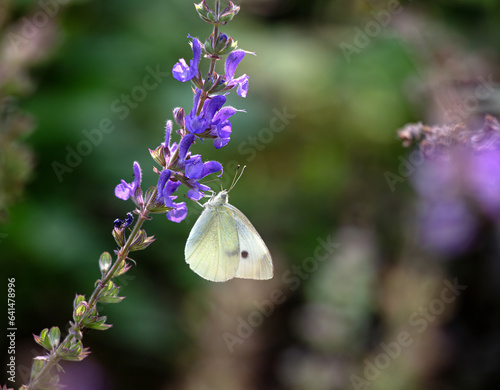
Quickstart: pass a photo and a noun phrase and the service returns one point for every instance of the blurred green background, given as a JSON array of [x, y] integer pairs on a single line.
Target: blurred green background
[[322, 178]]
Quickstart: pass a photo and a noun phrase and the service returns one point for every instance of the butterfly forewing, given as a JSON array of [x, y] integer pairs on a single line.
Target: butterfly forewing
[[254, 257], [212, 249]]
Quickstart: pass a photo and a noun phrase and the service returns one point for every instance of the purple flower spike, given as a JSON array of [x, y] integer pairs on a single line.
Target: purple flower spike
[[181, 71], [126, 190]]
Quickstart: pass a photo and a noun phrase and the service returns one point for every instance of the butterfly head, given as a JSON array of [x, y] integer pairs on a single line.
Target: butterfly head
[[219, 199]]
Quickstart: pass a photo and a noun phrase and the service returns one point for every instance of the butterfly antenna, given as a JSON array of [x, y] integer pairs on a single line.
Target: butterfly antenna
[[236, 177], [216, 179]]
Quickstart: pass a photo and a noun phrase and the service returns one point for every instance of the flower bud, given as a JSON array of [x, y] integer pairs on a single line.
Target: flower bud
[[225, 45], [208, 48], [80, 311], [179, 116], [158, 155], [205, 12], [208, 84], [229, 13], [218, 85], [105, 262]]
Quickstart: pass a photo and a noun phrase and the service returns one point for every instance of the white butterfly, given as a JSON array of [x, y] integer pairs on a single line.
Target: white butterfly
[[223, 244]]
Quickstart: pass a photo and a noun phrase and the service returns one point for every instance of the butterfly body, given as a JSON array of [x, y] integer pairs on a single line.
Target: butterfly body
[[223, 244]]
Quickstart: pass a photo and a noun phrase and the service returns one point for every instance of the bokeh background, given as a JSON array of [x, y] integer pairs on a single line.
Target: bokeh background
[[373, 310]]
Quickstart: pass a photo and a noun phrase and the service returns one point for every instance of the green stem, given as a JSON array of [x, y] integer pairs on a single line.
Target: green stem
[[54, 358], [215, 35]]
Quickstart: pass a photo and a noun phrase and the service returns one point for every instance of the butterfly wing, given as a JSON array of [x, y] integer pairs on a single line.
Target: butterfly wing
[[254, 257], [212, 249]]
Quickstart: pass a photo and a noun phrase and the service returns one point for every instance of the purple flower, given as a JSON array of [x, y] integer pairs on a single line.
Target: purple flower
[[232, 62], [213, 120], [166, 188], [194, 168], [119, 224], [181, 71], [221, 127], [126, 190]]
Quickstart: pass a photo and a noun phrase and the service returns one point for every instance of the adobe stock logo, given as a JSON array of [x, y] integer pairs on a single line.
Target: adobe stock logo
[[419, 322], [31, 26], [292, 279]]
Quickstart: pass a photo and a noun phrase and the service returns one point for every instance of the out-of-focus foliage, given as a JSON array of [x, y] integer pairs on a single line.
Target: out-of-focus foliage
[[319, 140]]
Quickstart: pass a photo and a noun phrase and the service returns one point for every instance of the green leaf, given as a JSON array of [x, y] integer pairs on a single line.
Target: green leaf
[[97, 323], [43, 339], [159, 209], [111, 299], [147, 241], [110, 294], [122, 268]]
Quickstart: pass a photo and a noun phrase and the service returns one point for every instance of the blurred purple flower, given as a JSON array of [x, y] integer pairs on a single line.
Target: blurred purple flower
[[458, 183], [452, 190], [447, 226], [484, 181], [126, 190]]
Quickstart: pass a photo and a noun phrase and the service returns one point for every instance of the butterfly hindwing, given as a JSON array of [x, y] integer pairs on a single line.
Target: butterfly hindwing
[[254, 257]]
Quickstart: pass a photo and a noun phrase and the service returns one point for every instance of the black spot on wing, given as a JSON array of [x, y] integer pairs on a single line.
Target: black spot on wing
[[244, 254]]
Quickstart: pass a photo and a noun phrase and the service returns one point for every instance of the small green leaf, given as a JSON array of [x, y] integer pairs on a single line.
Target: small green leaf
[[97, 323], [110, 294], [159, 209], [43, 339], [147, 241], [75, 353], [111, 299], [122, 268]]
